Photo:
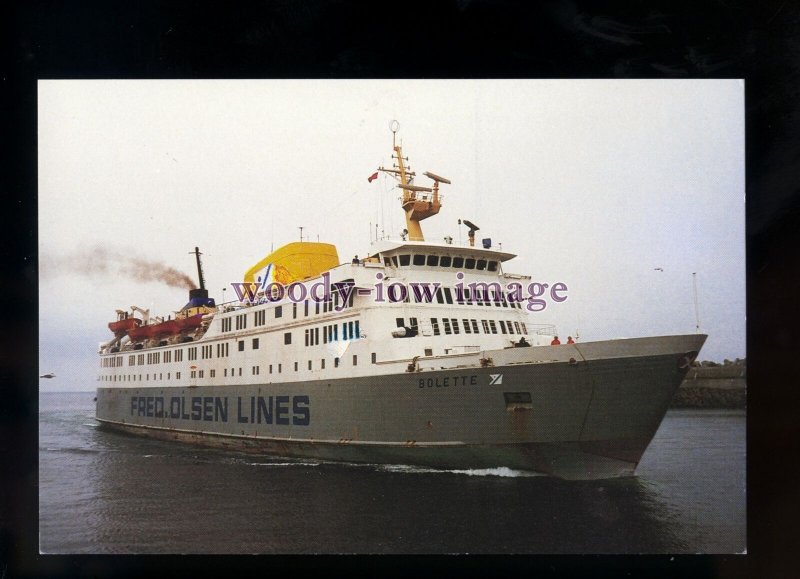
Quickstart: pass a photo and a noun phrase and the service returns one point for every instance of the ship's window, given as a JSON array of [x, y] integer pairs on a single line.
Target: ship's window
[[280, 368], [177, 375], [309, 364], [358, 331], [201, 373], [412, 323], [503, 326], [350, 301], [448, 296], [400, 322], [480, 264], [492, 266], [294, 310], [419, 259], [454, 321], [467, 295], [446, 323], [316, 307], [355, 360], [336, 362], [458, 262], [387, 262], [240, 371], [316, 336], [445, 261], [466, 326], [350, 330], [241, 346], [485, 325], [324, 334], [405, 259], [493, 326], [278, 311], [524, 327], [255, 343], [306, 308], [322, 363], [287, 338], [394, 260], [433, 260], [429, 351], [374, 358], [516, 327], [295, 366], [439, 296], [225, 373], [270, 368], [510, 327], [469, 263], [335, 333], [435, 325]]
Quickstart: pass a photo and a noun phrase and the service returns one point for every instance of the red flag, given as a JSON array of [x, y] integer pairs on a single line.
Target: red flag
[[372, 177]]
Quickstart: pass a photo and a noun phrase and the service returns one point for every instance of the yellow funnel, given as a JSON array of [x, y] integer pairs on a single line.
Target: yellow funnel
[[297, 261]]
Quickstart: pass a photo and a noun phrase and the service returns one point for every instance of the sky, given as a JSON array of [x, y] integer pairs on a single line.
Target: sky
[[631, 192]]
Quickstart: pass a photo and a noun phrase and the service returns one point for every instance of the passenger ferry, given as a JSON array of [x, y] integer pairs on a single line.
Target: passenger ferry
[[421, 353]]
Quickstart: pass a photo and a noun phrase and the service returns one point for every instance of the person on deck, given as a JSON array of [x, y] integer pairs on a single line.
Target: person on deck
[[555, 342], [570, 340]]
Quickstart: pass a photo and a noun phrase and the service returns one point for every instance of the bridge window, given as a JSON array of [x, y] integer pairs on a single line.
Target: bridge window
[[433, 260], [458, 262], [435, 325], [480, 264], [445, 261], [469, 263], [492, 266], [405, 259], [419, 259]]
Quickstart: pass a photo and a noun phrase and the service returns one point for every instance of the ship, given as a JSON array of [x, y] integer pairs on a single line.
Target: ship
[[332, 360]]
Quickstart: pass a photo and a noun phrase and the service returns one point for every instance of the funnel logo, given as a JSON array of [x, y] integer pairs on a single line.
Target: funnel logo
[[495, 379]]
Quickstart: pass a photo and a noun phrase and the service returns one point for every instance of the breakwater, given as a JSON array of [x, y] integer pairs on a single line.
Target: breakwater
[[714, 385]]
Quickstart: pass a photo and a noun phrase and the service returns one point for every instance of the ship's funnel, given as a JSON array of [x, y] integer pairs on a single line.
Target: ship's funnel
[[198, 293]]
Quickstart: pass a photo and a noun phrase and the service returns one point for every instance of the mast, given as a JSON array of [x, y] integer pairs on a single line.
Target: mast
[[418, 202], [197, 255]]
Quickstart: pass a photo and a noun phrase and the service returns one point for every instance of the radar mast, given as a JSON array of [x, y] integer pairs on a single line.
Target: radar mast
[[418, 202]]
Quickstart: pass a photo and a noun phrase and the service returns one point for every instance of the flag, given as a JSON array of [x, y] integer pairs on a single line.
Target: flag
[[372, 177]]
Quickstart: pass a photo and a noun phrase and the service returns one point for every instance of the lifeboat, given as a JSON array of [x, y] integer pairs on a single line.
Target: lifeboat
[[124, 326], [189, 323], [167, 328], [140, 333]]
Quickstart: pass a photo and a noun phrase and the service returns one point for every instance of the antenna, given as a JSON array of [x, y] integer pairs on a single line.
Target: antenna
[[301, 233], [696, 310], [197, 254]]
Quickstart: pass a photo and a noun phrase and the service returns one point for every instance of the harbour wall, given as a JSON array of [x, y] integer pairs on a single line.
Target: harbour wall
[[714, 385]]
